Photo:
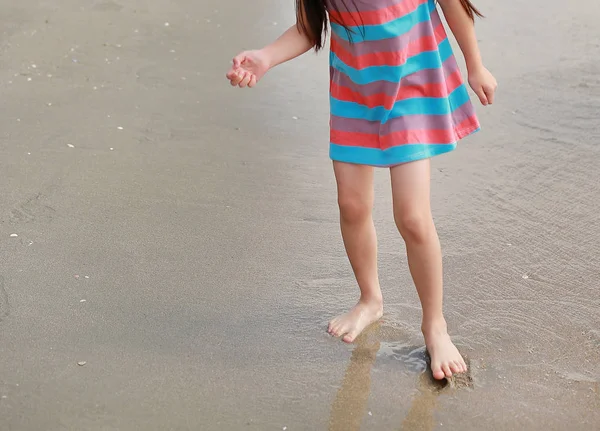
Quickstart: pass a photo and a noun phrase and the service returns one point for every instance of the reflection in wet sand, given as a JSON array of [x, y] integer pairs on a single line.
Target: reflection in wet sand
[[350, 404], [420, 415]]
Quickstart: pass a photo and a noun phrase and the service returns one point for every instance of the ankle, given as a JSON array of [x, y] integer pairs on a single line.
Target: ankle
[[373, 300], [434, 326]]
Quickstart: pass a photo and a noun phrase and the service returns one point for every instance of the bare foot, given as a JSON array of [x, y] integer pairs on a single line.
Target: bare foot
[[351, 324], [445, 357]]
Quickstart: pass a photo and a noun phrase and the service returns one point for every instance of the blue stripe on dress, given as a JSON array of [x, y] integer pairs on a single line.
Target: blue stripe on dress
[[390, 157], [414, 64], [395, 28], [414, 106]]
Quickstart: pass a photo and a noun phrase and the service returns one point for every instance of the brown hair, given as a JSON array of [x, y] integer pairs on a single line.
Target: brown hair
[[312, 18], [472, 11]]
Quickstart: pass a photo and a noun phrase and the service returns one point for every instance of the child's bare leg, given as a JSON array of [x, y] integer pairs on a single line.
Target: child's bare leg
[[412, 212], [355, 199]]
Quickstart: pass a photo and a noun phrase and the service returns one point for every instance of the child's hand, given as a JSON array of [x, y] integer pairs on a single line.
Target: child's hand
[[483, 84], [248, 68]]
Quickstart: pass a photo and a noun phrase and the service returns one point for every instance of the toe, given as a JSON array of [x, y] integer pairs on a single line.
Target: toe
[[437, 371], [336, 331], [336, 324], [447, 371], [350, 337], [455, 367], [463, 364]]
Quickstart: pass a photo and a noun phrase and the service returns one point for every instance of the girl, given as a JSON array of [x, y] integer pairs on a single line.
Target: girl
[[397, 99]]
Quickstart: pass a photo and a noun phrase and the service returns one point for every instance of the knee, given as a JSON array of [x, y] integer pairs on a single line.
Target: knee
[[414, 227], [354, 208]]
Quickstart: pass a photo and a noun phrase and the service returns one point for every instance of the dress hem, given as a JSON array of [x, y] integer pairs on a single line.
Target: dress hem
[[395, 155]]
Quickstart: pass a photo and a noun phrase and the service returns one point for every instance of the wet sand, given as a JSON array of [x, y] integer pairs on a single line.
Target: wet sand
[[179, 238]]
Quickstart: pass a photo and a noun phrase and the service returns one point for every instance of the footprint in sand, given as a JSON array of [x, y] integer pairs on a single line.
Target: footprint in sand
[[107, 6]]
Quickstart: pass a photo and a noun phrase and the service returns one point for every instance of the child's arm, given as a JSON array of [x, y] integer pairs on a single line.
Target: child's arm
[[463, 28], [291, 44], [250, 66]]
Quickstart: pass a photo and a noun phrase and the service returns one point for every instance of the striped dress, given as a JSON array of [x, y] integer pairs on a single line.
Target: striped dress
[[397, 94]]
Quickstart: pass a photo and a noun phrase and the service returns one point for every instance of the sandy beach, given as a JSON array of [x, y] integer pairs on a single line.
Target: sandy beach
[[170, 252]]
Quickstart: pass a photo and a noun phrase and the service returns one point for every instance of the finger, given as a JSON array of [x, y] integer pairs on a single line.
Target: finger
[[490, 93], [245, 80], [252, 82], [237, 78], [231, 74], [482, 96], [239, 59]]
